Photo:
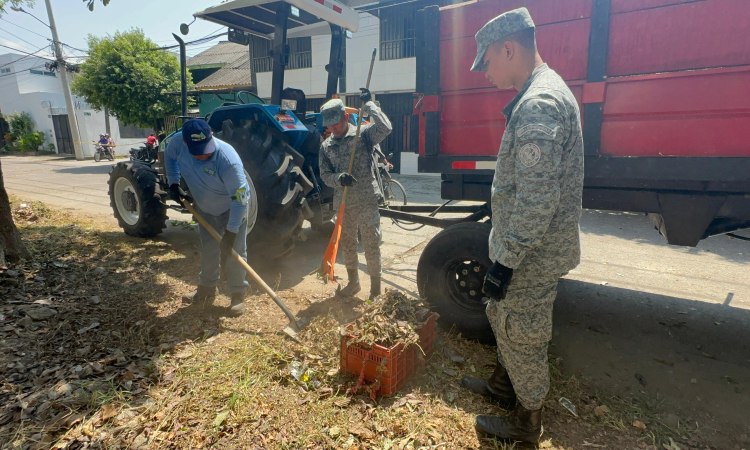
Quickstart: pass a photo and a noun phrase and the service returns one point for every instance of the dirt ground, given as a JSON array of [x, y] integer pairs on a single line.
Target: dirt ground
[[657, 334]]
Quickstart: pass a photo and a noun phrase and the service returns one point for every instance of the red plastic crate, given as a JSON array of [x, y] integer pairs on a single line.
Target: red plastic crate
[[386, 369]]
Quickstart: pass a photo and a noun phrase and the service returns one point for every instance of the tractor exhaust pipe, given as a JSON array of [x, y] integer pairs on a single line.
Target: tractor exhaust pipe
[[183, 75]]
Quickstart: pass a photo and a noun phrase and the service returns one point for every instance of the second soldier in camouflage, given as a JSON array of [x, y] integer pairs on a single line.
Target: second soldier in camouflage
[[362, 200], [536, 208]]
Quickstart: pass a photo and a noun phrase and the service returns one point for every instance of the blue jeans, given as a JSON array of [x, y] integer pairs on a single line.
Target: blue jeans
[[211, 254]]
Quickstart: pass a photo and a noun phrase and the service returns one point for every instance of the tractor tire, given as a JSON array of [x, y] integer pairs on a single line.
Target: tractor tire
[[460, 253], [276, 182], [132, 195]]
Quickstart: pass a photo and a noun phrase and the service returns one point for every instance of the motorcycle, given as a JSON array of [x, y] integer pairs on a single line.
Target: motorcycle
[[102, 151], [145, 153]]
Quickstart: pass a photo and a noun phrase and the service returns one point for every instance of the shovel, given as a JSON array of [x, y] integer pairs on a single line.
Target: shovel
[[329, 258], [294, 324]]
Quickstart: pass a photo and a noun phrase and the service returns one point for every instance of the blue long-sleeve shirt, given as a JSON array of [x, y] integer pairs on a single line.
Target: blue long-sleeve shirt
[[217, 184]]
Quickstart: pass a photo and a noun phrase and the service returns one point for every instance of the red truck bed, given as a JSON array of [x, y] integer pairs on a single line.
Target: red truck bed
[[664, 88], [678, 76]]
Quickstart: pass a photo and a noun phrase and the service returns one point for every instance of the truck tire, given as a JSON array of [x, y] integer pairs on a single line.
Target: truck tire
[[132, 195], [460, 253], [277, 178]]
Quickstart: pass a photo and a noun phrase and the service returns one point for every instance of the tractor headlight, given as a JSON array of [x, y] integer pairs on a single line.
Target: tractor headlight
[[289, 105]]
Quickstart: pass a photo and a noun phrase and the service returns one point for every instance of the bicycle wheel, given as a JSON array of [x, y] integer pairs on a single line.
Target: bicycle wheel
[[395, 194]]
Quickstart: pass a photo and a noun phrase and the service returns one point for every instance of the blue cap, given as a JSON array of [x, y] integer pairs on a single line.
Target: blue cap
[[197, 136]]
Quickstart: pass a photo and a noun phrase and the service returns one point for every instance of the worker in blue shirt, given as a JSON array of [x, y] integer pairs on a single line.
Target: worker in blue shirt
[[216, 180]]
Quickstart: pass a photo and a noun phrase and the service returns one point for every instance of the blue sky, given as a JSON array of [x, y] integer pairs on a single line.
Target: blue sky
[[157, 18]]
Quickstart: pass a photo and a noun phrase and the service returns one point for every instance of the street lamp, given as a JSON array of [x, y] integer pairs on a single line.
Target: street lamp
[[19, 9]]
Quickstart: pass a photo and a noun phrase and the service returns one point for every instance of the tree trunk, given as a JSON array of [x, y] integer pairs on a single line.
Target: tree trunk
[[11, 246], [106, 122]]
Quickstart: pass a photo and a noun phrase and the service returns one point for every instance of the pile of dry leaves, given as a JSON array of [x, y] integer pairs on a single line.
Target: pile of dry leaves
[[391, 319], [75, 331]]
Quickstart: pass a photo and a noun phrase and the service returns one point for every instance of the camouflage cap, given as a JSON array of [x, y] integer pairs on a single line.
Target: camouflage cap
[[501, 26], [332, 111]]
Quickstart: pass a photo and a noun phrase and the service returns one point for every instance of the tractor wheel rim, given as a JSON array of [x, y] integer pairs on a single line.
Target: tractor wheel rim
[[123, 187], [252, 204]]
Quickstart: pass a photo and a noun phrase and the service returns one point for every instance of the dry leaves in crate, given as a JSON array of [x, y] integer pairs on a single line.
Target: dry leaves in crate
[[385, 322]]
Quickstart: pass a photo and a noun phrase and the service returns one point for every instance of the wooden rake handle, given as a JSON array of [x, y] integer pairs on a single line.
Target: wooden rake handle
[[359, 125], [244, 264]]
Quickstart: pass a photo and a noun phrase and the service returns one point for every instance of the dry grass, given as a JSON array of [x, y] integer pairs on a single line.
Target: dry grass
[[189, 378]]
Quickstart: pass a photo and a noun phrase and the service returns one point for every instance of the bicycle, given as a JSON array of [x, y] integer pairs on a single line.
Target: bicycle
[[393, 192]]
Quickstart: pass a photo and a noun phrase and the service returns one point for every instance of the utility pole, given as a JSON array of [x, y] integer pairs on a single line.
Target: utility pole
[[61, 69]]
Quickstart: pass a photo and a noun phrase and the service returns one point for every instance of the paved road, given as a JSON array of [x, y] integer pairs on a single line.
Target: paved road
[[636, 315]]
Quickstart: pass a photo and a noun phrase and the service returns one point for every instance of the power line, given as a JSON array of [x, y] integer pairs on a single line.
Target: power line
[[27, 53], [73, 48], [195, 42], [24, 57], [19, 26], [18, 37], [213, 32]]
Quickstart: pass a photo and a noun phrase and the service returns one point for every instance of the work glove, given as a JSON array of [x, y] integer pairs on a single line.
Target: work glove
[[177, 194], [226, 245], [496, 281], [365, 96], [346, 179]]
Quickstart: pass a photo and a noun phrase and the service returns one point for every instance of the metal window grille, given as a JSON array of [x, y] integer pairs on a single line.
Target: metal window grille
[[397, 32], [300, 54]]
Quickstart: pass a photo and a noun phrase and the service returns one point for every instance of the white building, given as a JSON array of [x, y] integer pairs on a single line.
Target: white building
[[26, 86], [390, 30]]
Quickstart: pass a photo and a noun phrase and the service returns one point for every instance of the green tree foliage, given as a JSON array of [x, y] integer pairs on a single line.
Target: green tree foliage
[[125, 74], [8, 3], [90, 3], [30, 4]]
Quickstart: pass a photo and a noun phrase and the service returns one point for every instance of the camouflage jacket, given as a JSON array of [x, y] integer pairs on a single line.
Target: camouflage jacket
[[336, 152], [538, 183]]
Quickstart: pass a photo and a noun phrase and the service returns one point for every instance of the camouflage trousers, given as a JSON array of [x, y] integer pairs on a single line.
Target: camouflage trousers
[[365, 217], [522, 323]]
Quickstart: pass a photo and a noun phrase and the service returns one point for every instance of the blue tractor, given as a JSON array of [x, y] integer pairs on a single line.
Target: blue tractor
[[278, 142]]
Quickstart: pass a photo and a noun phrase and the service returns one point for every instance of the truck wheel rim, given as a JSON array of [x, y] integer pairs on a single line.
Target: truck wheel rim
[[464, 281], [252, 204], [123, 187]]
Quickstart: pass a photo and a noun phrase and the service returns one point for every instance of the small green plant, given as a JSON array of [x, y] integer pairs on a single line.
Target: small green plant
[[51, 147], [20, 124], [32, 141]]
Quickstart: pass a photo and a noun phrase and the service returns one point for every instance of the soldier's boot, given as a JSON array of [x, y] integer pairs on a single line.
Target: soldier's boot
[[352, 287], [201, 295], [237, 307], [498, 387], [375, 287], [521, 425]]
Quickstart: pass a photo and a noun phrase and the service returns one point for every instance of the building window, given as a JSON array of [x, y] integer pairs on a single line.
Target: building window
[[300, 54], [42, 72], [4, 70], [397, 33]]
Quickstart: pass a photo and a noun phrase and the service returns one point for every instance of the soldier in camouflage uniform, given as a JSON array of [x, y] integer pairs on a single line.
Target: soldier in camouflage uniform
[[536, 208], [362, 200]]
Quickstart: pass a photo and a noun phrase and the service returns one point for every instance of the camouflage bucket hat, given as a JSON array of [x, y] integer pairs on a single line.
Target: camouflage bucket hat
[[501, 26], [332, 111]]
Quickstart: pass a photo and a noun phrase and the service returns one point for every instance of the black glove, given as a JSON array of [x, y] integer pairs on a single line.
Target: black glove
[[365, 96], [346, 179], [226, 245], [496, 281], [177, 194]]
